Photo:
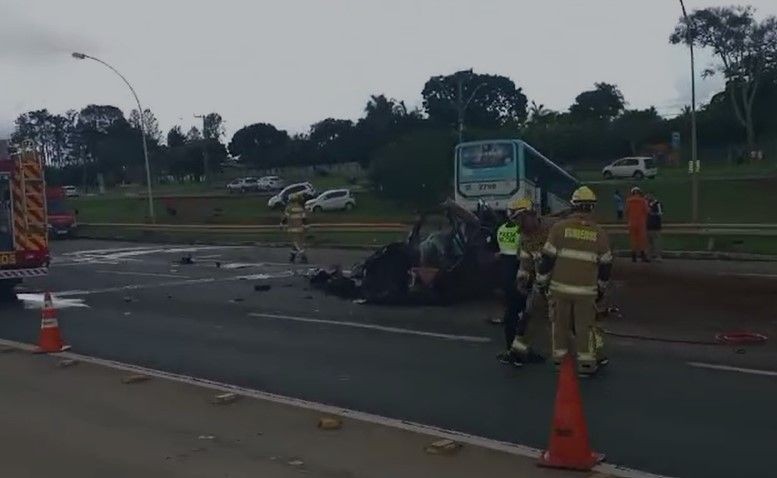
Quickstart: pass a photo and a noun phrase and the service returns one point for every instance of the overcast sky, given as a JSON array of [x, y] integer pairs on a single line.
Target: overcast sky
[[294, 62]]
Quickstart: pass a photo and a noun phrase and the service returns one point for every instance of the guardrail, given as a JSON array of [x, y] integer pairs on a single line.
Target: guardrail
[[670, 228]]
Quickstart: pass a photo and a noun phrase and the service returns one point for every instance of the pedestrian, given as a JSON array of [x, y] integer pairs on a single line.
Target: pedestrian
[[636, 214], [534, 317], [508, 237], [617, 199], [575, 268], [654, 225], [296, 225]]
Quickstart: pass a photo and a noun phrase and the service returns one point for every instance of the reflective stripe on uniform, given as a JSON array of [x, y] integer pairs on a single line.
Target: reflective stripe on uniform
[[523, 274], [605, 258], [549, 249], [542, 278], [602, 284], [578, 255], [525, 255], [556, 286]]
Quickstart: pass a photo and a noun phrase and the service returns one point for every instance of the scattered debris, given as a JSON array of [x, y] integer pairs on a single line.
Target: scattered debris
[[218, 265], [66, 363], [330, 423], [206, 437], [127, 314], [137, 378], [296, 462], [262, 287], [186, 260], [237, 299], [443, 447], [360, 301], [129, 299], [225, 398]]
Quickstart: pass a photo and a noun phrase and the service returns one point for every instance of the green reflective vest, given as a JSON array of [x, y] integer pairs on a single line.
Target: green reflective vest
[[508, 236]]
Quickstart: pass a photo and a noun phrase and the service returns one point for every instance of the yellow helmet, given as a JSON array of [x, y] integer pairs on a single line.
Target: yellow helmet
[[520, 205], [583, 195]]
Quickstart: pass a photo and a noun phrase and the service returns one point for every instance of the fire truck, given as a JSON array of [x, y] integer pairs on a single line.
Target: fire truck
[[24, 248]]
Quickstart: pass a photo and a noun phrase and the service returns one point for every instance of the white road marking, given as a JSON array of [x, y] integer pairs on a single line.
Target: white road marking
[[729, 368], [382, 328], [35, 301], [474, 440], [174, 283], [750, 274], [147, 274]]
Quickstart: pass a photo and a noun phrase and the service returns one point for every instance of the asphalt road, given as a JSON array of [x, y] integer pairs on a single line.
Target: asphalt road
[[661, 407]]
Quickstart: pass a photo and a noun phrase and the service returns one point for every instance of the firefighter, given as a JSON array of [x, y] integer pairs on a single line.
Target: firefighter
[[637, 210], [508, 238], [534, 233], [296, 224], [575, 268]]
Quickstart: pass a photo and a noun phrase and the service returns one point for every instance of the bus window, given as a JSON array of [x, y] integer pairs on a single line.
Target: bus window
[[556, 186], [6, 234]]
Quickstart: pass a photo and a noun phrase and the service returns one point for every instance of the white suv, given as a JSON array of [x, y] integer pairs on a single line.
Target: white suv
[[270, 183], [282, 198], [637, 168], [332, 200], [243, 185]]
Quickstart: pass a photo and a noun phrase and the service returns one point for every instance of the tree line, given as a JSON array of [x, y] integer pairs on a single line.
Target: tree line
[[391, 139]]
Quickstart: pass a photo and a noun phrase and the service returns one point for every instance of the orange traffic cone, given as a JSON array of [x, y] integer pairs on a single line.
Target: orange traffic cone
[[569, 446], [50, 339]]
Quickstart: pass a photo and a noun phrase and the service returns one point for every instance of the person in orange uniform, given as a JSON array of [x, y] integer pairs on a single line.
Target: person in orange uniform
[[637, 210]]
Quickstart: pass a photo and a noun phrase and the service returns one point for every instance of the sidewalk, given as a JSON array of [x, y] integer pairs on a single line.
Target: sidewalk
[[82, 421]]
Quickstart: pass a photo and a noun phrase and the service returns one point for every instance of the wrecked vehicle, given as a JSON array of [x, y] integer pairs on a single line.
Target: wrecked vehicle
[[448, 256]]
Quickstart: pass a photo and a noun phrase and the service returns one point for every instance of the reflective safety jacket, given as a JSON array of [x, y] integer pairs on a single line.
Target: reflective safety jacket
[[576, 259], [294, 218], [508, 236]]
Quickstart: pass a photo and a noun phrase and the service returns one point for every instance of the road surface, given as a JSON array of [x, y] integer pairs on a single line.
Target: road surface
[[678, 409]]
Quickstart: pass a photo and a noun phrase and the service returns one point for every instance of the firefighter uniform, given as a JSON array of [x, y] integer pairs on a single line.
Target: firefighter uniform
[[575, 267], [296, 226], [535, 312]]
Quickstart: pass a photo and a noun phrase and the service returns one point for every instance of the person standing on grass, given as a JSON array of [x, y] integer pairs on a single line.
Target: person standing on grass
[[654, 224], [637, 213], [619, 205]]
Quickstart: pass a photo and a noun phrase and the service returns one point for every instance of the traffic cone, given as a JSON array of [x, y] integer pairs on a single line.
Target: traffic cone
[[50, 339], [569, 446]]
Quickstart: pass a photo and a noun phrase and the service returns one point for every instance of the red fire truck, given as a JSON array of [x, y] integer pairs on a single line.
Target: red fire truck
[[24, 249]]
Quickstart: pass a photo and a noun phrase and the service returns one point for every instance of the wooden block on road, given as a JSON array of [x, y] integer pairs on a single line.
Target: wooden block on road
[[137, 378], [330, 423], [443, 447], [225, 398]]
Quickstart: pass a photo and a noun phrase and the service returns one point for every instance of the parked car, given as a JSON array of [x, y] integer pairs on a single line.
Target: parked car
[[282, 198], [637, 168], [71, 191], [271, 183], [332, 200], [243, 185]]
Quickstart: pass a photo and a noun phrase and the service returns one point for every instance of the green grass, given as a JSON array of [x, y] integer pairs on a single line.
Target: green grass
[[708, 171], [238, 209]]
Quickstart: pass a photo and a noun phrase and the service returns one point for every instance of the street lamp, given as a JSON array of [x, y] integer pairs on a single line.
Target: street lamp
[[152, 216], [694, 168], [461, 105]]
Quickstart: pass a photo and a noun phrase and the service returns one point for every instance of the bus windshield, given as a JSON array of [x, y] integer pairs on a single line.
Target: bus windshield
[[486, 169]]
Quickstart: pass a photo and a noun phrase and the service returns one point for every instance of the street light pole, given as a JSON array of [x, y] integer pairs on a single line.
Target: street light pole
[[694, 151], [461, 105], [152, 216]]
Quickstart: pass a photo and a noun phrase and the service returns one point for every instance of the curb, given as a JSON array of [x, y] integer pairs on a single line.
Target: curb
[[709, 256]]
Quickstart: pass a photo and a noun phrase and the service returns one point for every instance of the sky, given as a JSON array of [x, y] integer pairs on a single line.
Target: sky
[[294, 62]]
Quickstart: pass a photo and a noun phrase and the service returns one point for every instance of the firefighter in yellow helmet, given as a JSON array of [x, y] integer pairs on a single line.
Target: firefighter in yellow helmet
[[534, 317], [296, 225], [508, 238], [575, 268]]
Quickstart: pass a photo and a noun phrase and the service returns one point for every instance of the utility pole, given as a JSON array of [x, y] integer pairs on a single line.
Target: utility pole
[[694, 165], [461, 105], [205, 158]]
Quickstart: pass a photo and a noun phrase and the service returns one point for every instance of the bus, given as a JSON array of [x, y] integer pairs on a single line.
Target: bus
[[497, 171]]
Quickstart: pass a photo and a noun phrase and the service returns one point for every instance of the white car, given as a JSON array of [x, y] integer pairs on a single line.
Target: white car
[[637, 168], [270, 183], [332, 200], [71, 191], [282, 198], [243, 185]]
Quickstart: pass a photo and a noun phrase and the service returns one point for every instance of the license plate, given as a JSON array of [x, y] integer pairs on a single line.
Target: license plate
[[8, 259]]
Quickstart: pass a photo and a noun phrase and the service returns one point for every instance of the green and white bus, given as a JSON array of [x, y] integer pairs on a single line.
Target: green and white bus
[[497, 171]]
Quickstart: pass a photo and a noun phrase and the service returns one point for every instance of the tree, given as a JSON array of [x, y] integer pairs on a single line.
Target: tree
[[258, 143], [333, 139], [603, 103], [149, 121], [175, 137], [637, 127], [213, 127], [744, 48], [495, 101], [193, 135]]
